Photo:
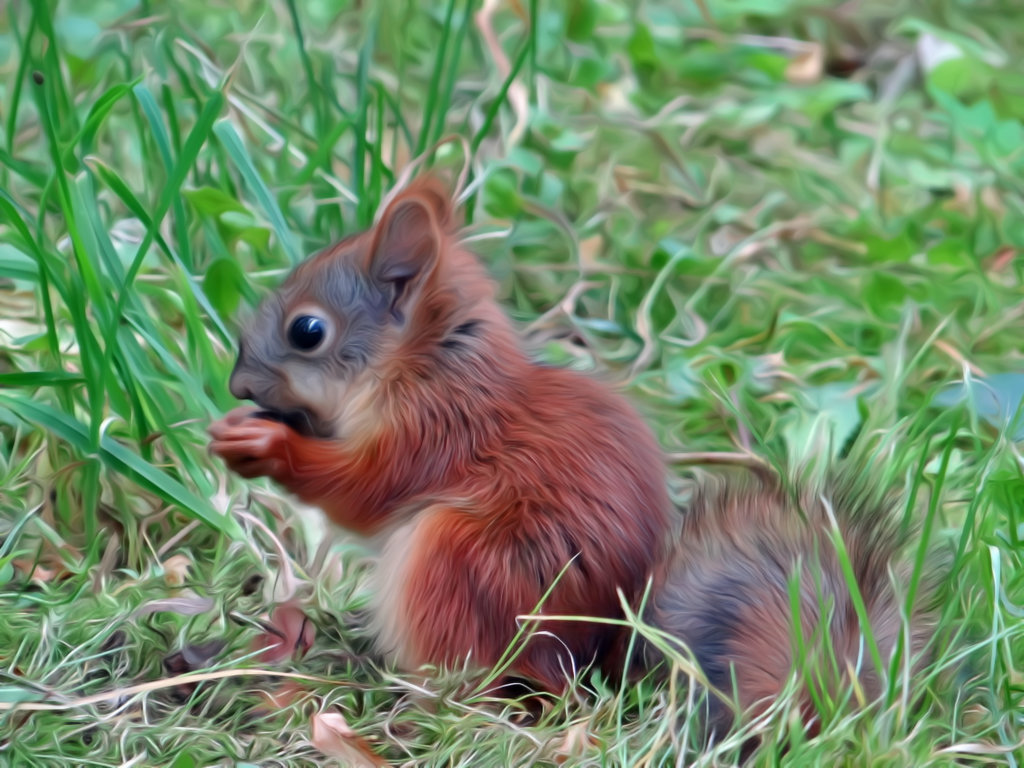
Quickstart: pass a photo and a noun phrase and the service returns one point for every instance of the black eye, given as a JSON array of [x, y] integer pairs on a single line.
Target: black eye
[[306, 332]]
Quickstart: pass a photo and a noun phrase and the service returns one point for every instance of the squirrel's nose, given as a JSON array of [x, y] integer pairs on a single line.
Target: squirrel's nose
[[240, 383], [239, 389]]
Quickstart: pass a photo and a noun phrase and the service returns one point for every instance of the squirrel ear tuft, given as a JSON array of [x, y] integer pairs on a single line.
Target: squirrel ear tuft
[[408, 239], [434, 193]]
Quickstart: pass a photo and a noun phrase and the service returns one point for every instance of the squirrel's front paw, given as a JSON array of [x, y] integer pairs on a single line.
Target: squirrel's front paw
[[251, 446]]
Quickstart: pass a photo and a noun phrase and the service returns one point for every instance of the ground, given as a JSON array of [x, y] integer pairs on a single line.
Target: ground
[[789, 227]]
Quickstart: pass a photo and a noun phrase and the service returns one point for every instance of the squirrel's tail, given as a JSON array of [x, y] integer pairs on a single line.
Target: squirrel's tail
[[767, 583]]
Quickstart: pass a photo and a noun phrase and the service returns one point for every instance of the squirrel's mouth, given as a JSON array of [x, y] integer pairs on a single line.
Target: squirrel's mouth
[[299, 419]]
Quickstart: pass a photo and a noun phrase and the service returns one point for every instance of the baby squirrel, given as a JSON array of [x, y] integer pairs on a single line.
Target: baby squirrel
[[394, 393]]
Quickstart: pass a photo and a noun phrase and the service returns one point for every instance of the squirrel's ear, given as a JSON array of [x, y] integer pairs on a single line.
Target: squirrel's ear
[[407, 241]]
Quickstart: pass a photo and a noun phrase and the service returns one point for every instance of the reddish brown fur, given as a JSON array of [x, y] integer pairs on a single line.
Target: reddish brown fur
[[725, 591], [502, 472]]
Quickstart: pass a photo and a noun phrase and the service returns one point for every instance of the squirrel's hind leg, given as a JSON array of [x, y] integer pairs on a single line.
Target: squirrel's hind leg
[[449, 590]]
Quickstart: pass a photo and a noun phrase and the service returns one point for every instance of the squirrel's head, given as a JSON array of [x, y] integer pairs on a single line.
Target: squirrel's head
[[329, 332]]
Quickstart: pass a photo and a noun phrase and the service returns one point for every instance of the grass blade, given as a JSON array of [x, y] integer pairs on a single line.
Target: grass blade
[[122, 460], [236, 150]]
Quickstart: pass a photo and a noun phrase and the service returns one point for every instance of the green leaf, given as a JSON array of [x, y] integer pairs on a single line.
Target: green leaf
[[883, 294], [30, 379], [212, 201], [79, 35], [97, 114], [961, 77], [998, 399], [502, 198], [156, 123], [239, 155], [184, 760], [12, 694], [826, 418], [581, 19], [641, 48], [887, 250], [223, 284], [954, 251], [17, 265]]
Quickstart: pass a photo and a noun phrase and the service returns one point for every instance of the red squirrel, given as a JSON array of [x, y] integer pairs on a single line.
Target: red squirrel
[[392, 391]]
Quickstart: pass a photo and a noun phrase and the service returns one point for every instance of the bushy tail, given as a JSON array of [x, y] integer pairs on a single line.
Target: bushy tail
[[755, 561]]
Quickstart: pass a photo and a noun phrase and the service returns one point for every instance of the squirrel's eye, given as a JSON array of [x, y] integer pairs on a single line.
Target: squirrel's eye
[[306, 332]]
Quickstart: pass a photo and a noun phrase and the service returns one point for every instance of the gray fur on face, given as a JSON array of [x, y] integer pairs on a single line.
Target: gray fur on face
[[355, 311]]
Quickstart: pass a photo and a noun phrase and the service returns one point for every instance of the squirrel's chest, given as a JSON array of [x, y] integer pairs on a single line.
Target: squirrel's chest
[[389, 583]]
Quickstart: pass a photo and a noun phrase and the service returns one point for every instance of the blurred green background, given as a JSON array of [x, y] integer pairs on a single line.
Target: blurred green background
[[785, 225]]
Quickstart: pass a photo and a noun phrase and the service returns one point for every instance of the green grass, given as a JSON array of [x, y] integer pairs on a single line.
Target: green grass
[[778, 259]]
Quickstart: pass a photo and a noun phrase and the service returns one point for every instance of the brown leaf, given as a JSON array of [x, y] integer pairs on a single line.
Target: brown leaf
[[289, 632], [725, 238], [1002, 259], [284, 695], [35, 572], [176, 570], [518, 96], [333, 736], [590, 251], [578, 740], [807, 66], [48, 565]]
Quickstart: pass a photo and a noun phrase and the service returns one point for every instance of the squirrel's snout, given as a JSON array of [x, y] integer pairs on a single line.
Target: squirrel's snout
[[240, 382], [241, 391]]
